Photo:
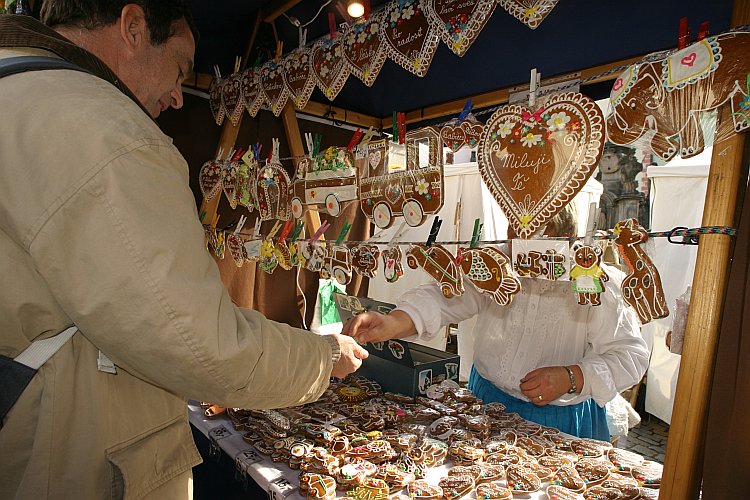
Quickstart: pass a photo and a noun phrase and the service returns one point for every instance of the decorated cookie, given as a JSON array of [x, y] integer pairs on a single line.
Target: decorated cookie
[[589, 448], [557, 492], [490, 271], [456, 486], [628, 489], [459, 23], [318, 486], [372, 489], [490, 473], [568, 477], [493, 491], [601, 493], [592, 471], [641, 288], [522, 480], [529, 12], [422, 490], [648, 474], [587, 275], [531, 446], [556, 462], [624, 460], [443, 427], [409, 39], [365, 259], [392, 267], [299, 79], [440, 264], [364, 49]]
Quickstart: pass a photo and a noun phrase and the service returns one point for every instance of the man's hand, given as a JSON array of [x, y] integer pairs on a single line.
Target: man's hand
[[351, 358], [375, 327], [546, 384]]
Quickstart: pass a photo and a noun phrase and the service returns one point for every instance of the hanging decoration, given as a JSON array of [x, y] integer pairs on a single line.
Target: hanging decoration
[[337, 264], [401, 180], [231, 97], [329, 66], [641, 288], [490, 271], [392, 267], [210, 178], [529, 12], [326, 180], [312, 255], [466, 133], [247, 169], [365, 259], [536, 161], [251, 94], [273, 91], [439, 263], [586, 273], [545, 259], [364, 49], [410, 40], [458, 23], [299, 79], [236, 249], [215, 100], [273, 188], [660, 98], [229, 181]]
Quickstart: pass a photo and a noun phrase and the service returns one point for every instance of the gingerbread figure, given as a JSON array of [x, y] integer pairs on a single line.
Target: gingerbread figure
[[642, 288], [438, 263], [365, 259], [489, 270], [587, 275]]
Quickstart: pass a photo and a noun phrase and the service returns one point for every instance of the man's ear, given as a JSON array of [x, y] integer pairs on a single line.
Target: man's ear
[[133, 28]]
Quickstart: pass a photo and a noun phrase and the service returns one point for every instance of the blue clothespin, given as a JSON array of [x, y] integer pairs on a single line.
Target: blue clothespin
[[256, 150], [434, 230], [465, 112]]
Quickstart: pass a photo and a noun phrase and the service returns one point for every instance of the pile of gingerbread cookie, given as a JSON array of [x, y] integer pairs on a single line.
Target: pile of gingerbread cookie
[[366, 444]]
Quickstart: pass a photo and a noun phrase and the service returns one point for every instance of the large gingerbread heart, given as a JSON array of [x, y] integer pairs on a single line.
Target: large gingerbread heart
[[529, 12], [214, 101], [534, 163], [251, 95], [364, 50], [410, 40], [459, 23], [329, 66], [210, 179], [231, 97], [272, 86], [298, 76]]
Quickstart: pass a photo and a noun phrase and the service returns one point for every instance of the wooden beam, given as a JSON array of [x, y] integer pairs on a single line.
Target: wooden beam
[[294, 139], [500, 96], [251, 42], [341, 115], [276, 9], [683, 461]]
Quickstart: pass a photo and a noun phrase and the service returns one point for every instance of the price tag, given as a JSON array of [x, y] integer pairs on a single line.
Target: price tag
[[249, 457], [219, 432], [280, 488]]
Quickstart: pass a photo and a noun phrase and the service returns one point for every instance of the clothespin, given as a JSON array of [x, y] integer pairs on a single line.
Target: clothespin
[[368, 135], [256, 229], [248, 157], [299, 226], [274, 230], [478, 226], [236, 155], [355, 139], [322, 229], [219, 154], [343, 232], [401, 128], [317, 138], [310, 144], [217, 72], [302, 37], [256, 150], [286, 230], [332, 24], [465, 112], [240, 224], [434, 230], [590, 224], [202, 216], [533, 87], [215, 221], [703, 30], [684, 34], [395, 125], [275, 158], [237, 64], [279, 51]]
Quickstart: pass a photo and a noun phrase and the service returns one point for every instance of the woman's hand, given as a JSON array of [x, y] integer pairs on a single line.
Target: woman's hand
[[375, 327], [546, 384]]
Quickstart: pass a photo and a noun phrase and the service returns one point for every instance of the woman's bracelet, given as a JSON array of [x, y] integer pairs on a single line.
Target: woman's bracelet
[[573, 388]]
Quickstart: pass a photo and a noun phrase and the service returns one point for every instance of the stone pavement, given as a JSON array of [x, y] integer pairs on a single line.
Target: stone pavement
[[649, 438]]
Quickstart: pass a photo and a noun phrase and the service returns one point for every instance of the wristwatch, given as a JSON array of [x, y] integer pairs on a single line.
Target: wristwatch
[[573, 389]]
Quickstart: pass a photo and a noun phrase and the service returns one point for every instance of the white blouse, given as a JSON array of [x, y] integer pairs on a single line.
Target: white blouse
[[543, 326]]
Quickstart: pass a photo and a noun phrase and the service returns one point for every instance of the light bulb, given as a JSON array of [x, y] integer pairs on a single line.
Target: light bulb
[[355, 9]]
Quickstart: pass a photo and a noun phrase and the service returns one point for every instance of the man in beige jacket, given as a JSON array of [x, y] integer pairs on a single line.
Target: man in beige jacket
[[98, 229]]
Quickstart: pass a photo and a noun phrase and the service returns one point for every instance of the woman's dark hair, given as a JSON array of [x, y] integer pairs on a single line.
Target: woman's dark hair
[[92, 14]]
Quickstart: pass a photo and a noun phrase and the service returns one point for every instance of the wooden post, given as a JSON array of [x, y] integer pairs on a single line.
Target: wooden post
[[683, 461], [294, 139]]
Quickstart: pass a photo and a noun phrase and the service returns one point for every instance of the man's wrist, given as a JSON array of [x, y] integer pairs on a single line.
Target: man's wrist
[[335, 348]]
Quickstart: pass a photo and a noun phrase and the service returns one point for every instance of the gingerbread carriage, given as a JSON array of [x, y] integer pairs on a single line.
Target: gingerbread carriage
[[326, 181]]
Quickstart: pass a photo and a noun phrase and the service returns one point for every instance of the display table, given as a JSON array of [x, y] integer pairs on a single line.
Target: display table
[[277, 479]]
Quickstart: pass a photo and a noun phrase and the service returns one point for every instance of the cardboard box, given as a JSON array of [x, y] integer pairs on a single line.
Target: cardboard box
[[398, 365]]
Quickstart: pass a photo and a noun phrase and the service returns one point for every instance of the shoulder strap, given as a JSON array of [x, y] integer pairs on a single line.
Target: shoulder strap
[[14, 65], [41, 350]]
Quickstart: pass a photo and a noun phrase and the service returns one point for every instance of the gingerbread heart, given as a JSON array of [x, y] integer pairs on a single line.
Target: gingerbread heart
[[601, 493], [229, 183], [214, 101], [459, 23], [592, 471], [629, 490], [250, 88], [648, 474], [453, 136], [410, 40], [456, 486], [209, 179], [568, 477], [535, 162], [364, 50], [493, 491], [473, 131], [522, 480], [555, 462], [561, 493], [589, 448], [299, 79], [236, 249], [329, 66], [231, 97], [624, 460], [529, 12], [422, 490], [490, 473], [272, 87]]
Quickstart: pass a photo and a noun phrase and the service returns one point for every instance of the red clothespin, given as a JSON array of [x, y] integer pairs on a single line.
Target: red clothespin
[[684, 34], [332, 24], [287, 229], [270, 156], [366, 4], [401, 128], [355, 139], [240, 152], [703, 30]]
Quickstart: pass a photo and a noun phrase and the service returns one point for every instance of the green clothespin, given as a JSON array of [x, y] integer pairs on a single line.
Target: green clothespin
[[202, 216], [477, 233], [395, 126], [343, 232], [316, 143], [297, 231]]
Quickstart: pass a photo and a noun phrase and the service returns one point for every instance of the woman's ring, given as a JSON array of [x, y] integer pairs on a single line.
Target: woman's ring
[[539, 397]]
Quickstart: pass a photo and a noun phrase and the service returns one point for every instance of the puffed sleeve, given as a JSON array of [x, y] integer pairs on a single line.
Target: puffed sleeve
[[616, 356], [124, 256], [430, 310]]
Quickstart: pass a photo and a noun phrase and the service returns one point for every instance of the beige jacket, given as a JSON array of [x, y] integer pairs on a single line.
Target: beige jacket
[[98, 228]]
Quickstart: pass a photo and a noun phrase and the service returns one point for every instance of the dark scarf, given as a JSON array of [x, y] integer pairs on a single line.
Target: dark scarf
[[25, 31]]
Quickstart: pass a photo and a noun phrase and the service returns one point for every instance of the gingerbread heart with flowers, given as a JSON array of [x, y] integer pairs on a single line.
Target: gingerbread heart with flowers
[[535, 161]]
